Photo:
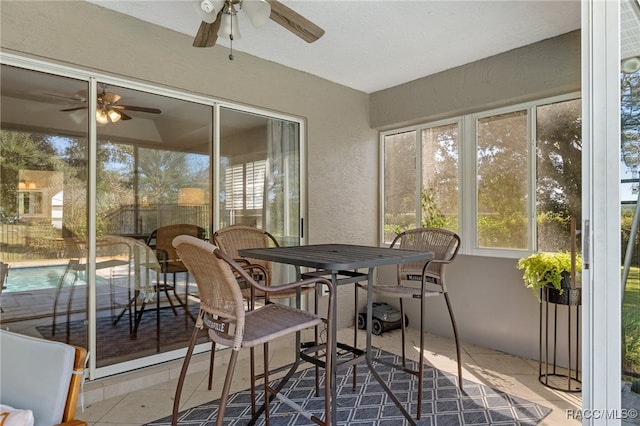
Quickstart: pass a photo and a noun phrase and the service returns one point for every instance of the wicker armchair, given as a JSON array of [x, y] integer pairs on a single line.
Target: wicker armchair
[[431, 275], [238, 237], [170, 262], [223, 314]]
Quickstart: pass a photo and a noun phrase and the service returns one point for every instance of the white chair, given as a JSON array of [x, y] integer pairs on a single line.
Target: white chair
[[42, 376]]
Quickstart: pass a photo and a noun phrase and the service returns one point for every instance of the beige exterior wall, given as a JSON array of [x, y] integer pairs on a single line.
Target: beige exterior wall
[[548, 68]]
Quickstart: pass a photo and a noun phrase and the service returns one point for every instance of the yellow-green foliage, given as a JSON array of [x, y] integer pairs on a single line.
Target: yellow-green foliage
[[541, 269]]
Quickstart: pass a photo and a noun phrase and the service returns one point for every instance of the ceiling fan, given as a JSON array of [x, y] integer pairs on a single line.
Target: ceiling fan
[[220, 19], [107, 108]]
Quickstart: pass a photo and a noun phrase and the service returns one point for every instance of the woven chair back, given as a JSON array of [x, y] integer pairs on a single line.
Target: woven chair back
[[218, 290], [238, 237], [443, 243], [164, 236]]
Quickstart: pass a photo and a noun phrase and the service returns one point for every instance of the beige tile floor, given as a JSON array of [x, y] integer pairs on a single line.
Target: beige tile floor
[[150, 391]]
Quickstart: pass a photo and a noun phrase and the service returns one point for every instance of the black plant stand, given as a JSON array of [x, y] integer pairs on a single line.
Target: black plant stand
[[548, 371]]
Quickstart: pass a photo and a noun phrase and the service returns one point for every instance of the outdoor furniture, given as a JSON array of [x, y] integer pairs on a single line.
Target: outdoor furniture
[[144, 273], [42, 376], [341, 262], [112, 253], [238, 237], [222, 312], [161, 240], [444, 245], [4, 271]]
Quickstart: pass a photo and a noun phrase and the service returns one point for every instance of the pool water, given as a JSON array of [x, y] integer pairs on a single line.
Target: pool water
[[39, 278]]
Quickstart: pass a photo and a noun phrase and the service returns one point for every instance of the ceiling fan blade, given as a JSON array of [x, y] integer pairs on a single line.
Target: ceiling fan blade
[[294, 22], [110, 98], [124, 116], [208, 33], [74, 109], [74, 98], [136, 108]]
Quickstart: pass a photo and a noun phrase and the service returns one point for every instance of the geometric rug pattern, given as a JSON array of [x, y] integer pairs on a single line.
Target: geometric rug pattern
[[443, 403]]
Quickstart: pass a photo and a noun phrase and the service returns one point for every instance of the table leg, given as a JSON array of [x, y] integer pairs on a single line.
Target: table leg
[[369, 355]]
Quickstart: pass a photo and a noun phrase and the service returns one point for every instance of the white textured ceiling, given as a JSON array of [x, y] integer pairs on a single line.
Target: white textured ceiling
[[372, 45]]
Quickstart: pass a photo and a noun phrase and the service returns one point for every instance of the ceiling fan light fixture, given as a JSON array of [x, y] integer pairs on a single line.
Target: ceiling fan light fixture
[[208, 9], [229, 26], [114, 116], [258, 11], [101, 116]]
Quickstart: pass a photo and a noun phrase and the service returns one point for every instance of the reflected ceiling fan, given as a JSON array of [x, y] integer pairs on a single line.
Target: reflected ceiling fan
[[220, 19], [107, 108]]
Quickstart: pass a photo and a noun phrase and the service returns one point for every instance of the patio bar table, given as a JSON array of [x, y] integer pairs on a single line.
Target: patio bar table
[[342, 262]]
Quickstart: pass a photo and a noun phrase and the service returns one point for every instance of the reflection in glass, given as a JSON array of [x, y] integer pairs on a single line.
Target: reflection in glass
[[630, 208], [260, 174], [559, 174], [439, 196], [399, 184], [153, 175], [43, 204], [502, 156]]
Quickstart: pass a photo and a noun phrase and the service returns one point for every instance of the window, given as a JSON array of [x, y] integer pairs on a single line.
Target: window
[[425, 195], [520, 168], [501, 180], [244, 185]]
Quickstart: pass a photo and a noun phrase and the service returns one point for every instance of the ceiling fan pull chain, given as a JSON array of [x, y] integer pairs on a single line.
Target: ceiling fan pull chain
[[231, 41]]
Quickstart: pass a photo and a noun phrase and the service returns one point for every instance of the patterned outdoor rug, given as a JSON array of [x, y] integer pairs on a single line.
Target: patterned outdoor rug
[[443, 403]]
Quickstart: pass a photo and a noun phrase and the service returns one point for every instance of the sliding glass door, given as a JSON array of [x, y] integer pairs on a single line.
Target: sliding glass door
[[97, 175]]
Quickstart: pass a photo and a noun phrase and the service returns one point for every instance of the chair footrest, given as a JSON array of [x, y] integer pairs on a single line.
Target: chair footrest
[[346, 355], [396, 366], [343, 277]]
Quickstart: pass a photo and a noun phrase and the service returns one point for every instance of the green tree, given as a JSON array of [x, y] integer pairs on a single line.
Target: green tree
[[559, 173], [21, 151]]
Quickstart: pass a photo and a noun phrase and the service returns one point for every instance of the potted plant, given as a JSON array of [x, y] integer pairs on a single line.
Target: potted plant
[[552, 272]]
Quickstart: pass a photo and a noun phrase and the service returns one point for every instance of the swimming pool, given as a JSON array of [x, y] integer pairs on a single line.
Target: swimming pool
[[40, 278]]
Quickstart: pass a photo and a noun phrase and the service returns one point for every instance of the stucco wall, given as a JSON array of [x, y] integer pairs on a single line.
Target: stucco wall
[[548, 68]]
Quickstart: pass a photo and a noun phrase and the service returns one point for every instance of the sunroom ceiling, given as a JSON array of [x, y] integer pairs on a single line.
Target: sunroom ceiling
[[373, 45]]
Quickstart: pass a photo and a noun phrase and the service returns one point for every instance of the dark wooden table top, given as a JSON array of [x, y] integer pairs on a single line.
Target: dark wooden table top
[[336, 257]]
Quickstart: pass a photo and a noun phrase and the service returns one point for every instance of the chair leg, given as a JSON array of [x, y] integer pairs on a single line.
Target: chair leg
[[267, 396], [356, 286], [70, 305], [183, 374], [404, 329], [455, 336], [57, 296], [252, 375], [421, 361], [166, 292], [211, 360], [226, 387]]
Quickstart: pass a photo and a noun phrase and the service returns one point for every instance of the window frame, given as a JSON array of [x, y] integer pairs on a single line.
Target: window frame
[[467, 173]]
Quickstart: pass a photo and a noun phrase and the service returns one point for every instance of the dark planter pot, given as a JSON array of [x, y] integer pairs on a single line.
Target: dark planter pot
[[565, 296]]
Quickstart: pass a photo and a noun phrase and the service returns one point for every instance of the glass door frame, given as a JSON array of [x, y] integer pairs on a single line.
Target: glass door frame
[[601, 347], [93, 78]]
